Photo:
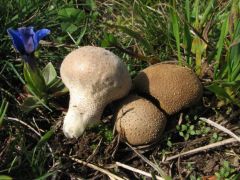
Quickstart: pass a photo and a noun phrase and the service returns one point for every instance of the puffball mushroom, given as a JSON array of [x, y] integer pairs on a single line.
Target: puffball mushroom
[[139, 121], [175, 87], [95, 77]]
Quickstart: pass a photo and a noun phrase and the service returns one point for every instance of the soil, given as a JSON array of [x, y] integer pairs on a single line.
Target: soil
[[91, 148]]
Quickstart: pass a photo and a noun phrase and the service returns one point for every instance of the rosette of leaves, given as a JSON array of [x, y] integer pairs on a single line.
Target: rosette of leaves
[[41, 85]]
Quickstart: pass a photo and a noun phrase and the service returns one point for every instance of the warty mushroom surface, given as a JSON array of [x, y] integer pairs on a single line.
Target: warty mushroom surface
[[173, 86]]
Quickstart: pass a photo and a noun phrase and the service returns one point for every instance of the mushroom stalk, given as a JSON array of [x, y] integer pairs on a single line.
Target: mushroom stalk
[[81, 113]]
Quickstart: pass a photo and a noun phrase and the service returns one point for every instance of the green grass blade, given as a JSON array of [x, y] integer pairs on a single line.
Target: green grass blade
[[187, 42], [176, 31], [220, 45], [218, 90], [41, 101], [187, 10], [234, 14], [196, 13], [206, 13], [187, 39], [3, 110], [46, 176], [83, 32], [135, 35], [16, 72], [235, 54], [46, 136]]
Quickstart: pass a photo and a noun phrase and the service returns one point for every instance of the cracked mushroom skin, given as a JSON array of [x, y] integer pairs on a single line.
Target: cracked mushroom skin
[[95, 77], [139, 121], [173, 86]]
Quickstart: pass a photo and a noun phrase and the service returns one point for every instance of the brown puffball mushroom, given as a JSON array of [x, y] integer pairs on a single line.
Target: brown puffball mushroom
[[95, 77], [138, 121], [175, 87]]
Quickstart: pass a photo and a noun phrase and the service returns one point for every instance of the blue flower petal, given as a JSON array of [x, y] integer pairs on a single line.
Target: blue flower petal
[[25, 40], [17, 40], [41, 34], [27, 35]]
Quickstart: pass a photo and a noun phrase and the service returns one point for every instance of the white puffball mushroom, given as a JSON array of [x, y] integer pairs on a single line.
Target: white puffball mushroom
[[95, 77]]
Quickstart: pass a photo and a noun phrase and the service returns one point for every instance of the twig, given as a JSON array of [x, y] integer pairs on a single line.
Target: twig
[[104, 171], [10, 95], [207, 147], [95, 151], [35, 131], [23, 123], [73, 39], [137, 170], [218, 126], [34, 122], [154, 166]]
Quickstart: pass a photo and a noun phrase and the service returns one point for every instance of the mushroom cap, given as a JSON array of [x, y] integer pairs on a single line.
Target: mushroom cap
[[139, 121], [96, 71], [95, 77], [175, 87]]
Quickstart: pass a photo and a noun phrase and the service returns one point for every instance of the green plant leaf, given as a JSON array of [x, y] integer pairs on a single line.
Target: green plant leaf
[[178, 127], [57, 88], [49, 73], [181, 134], [70, 14], [34, 80], [46, 136], [69, 27], [108, 40], [226, 164], [198, 132], [169, 143], [184, 127], [191, 127], [30, 103], [219, 91], [71, 19], [222, 172], [186, 137], [192, 132], [92, 4], [5, 177], [215, 136], [218, 175]]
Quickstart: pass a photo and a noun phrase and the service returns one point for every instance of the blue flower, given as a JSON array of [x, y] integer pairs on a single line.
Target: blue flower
[[25, 40]]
